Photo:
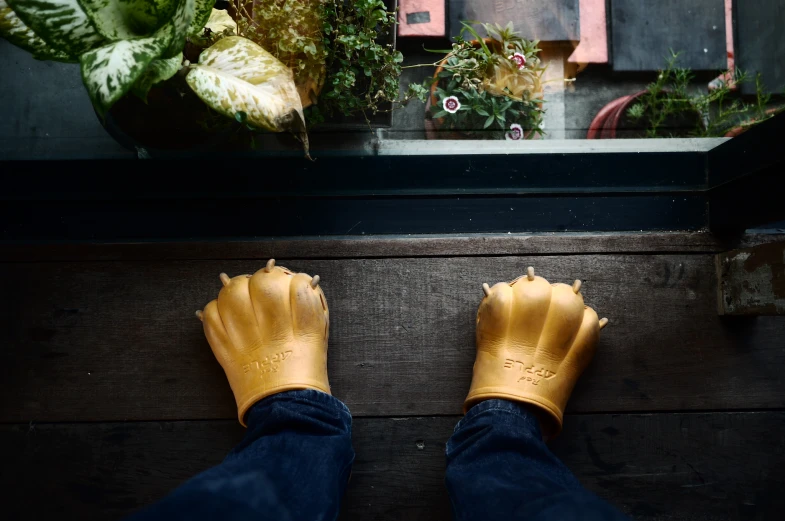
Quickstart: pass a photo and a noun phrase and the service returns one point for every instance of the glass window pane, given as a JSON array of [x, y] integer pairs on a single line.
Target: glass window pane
[[386, 77]]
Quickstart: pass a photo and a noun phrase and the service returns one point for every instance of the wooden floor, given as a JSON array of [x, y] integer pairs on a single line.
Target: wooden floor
[[111, 396]]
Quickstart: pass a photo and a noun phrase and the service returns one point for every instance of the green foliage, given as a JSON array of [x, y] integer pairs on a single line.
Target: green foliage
[[362, 70], [292, 31], [671, 99], [494, 93], [120, 44]]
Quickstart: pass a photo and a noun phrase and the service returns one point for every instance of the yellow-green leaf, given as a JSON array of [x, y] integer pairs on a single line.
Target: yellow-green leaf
[[236, 75], [220, 21]]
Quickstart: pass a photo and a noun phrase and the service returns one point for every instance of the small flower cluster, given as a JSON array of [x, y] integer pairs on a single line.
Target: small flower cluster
[[488, 87], [451, 104]]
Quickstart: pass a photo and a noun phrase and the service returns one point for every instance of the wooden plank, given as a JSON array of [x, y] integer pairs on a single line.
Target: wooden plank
[[752, 281], [118, 340], [533, 19], [713, 466], [760, 43], [644, 32], [386, 246]]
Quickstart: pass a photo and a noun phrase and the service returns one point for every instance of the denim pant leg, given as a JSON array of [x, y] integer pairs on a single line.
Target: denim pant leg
[[498, 468], [292, 465]]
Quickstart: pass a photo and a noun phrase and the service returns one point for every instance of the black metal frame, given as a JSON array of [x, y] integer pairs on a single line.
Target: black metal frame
[[746, 179], [727, 189]]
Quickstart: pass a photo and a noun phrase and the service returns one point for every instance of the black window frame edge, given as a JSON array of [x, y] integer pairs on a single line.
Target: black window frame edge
[[609, 187]]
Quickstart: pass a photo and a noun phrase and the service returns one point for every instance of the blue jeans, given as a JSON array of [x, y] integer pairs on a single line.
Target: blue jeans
[[296, 458]]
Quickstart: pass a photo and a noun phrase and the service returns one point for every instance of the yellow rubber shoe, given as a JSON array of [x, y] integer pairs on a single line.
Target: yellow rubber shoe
[[269, 333], [534, 339]]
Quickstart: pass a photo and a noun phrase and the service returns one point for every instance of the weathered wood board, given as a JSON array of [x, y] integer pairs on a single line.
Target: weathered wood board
[[555, 20], [751, 281], [384, 246], [643, 32], [707, 466], [100, 341]]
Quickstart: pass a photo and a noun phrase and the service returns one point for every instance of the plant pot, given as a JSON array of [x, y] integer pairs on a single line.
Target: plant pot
[[612, 118], [748, 124], [605, 123], [433, 126], [171, 120]]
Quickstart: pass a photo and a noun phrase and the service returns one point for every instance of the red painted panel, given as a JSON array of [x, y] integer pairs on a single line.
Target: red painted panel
[[593, 47], [421, 18]]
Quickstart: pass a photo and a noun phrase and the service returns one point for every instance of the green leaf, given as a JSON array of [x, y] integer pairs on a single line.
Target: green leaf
[[180, 22], [469, 28], [481, 112], [440, 114], [62, 24], [109, 71], [220, 21], [203, 14], [156, 72], [489, 121], [236, 75], [127, 19], [15, 31]]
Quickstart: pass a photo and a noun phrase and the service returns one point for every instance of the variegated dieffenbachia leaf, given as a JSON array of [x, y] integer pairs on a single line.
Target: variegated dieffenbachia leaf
[[109, 71], [156, 72], [62, 24], [237, 76], [202, 14], [15, 31], [220, 21], [127, 19], [180, 22]]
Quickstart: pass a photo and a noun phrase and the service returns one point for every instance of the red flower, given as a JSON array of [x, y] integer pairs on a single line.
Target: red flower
[[515, 133], [451, 104], [519, 59]]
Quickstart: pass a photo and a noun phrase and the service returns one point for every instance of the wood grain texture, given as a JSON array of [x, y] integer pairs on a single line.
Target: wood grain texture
[[387, 246], [706, 466], [644, 32], [118, 340], [751, 281]]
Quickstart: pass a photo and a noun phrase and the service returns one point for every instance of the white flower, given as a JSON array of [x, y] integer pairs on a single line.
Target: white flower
[[515, 133], [519, 59], [451, 104]]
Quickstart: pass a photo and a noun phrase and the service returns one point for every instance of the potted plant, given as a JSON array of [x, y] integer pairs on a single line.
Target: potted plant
[[250, 70], [486, 88], [670, 107], [121, 47]]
